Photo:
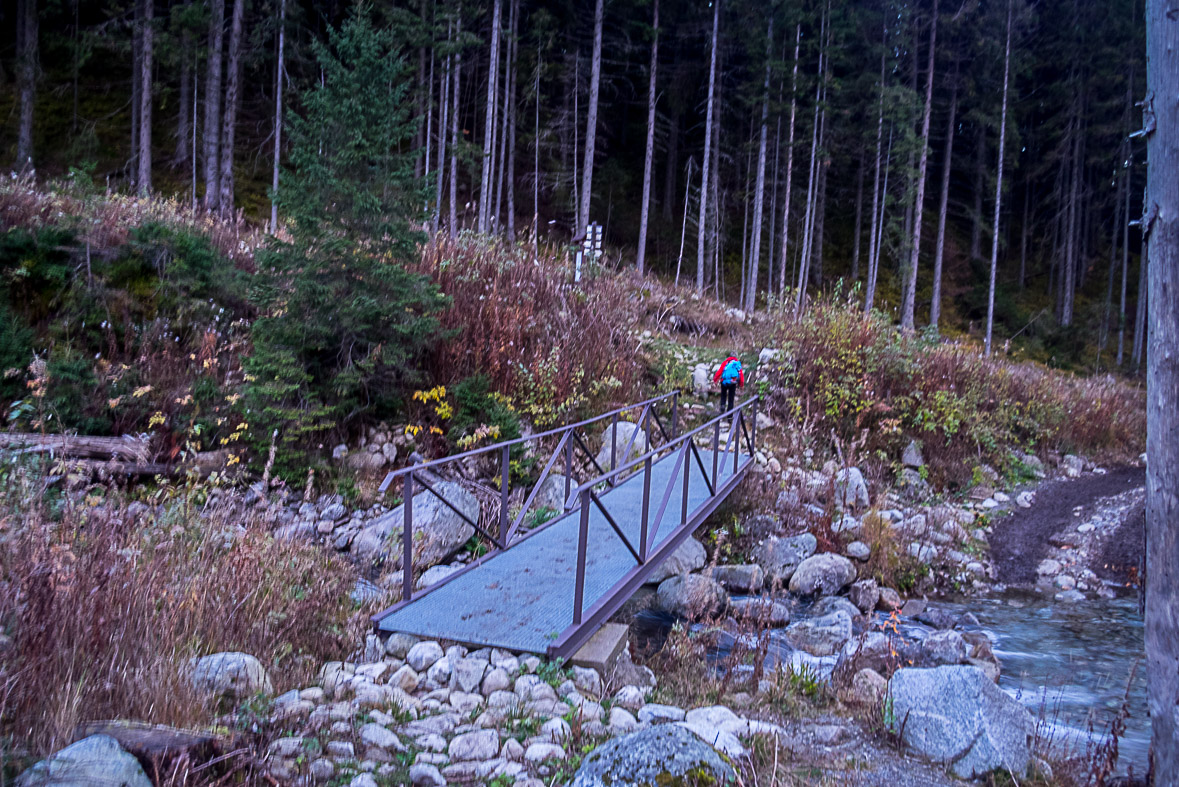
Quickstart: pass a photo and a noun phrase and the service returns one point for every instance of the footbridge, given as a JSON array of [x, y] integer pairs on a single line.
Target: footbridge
[[547, 589]]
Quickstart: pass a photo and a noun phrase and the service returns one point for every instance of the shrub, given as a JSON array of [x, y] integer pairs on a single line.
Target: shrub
[[846, 372], [105, 607], [555, 349]]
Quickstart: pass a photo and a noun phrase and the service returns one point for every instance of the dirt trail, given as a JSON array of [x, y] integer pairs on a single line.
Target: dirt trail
[[1020, 541]]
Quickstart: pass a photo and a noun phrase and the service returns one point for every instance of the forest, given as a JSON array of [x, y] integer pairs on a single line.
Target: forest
[[969, 168]]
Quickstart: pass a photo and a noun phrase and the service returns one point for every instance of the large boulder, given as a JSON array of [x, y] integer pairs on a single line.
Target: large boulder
[[824, 575], [687, 557], [957, 716], [822, 636], [98, 759], [620, 434], [740, 578], [701, 379], [780, 557], [230, 674], [551, 495], [691, 596], [663, 754], [438, 532], [851, 490]]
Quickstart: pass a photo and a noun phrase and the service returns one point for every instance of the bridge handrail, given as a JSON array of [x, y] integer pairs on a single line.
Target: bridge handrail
[[417, 468], [652, 453]]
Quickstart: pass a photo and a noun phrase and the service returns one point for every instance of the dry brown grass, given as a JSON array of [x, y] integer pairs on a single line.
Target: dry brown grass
[[105, 608], [555, 348], [846, 374]]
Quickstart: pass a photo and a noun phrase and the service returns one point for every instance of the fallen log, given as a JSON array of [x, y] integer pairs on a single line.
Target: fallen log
[[126, 448]]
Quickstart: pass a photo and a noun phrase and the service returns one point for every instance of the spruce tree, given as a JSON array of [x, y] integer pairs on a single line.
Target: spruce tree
[[342, 323]]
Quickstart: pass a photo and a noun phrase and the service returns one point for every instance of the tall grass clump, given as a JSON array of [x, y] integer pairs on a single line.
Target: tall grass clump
[[553, 347], [843, 372], [103, 602]]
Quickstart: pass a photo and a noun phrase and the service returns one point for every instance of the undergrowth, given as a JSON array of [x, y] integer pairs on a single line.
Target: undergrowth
[[105, 600], [846, 374]]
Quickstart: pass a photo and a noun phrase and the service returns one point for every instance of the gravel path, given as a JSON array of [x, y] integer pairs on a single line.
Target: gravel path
[[1020, 541]]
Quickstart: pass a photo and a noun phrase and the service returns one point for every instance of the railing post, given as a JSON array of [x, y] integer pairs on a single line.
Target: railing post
[[736, 439], [753, 436], [568, 463], [646, 509], [613, 443], [687, 480], [715, 450], [504, 475], [582, 538], [407, 539], [675, 415]]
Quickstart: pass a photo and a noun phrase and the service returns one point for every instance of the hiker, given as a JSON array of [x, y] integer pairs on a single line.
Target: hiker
[[729, 375]]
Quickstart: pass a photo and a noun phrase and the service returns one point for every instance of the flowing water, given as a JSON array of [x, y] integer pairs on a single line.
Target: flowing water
[[1069, 664]]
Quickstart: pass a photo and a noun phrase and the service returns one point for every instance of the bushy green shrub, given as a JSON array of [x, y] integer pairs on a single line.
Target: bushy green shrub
[[343, 325]]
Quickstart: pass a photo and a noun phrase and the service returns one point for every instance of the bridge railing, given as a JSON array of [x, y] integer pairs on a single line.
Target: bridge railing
[[742, 420], [570, 440]]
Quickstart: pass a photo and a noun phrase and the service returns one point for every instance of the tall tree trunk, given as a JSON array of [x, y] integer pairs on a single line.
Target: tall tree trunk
[[999, 180], [136, 87], [858, 224], [649, 154], [278, 74], [804, 263], [1118, 220], [1141, 306], [26, 76], [789, 169], [1161, 226], [452, 224], [759, 194], [212, 124], [183, 118], [939, 252], [489, 121], [980, 168], [909, 300], [512, 102], [147, 14], [673, 165], [704, 176], [501, 162], [1071, 254], [536, 158], [874, 264], [1024, 230], [232, 80], [877, 207], [591, 121], [443, 130]]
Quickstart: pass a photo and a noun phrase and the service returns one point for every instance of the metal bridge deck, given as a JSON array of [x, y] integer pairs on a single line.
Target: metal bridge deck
[[522, 598]]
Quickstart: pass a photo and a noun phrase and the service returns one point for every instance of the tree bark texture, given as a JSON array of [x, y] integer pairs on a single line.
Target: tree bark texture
[[489, 121], [278, 74], [759, 193], [1161, 223], [789, 168], [26, 75], [232, 99], [704, 176], [146, 34], [591, 121], [212, 124], [999, 181], [939, 251], [910, 295], [649, 154]]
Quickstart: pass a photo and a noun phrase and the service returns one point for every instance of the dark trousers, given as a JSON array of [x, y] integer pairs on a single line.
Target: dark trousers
[[728, 396]]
